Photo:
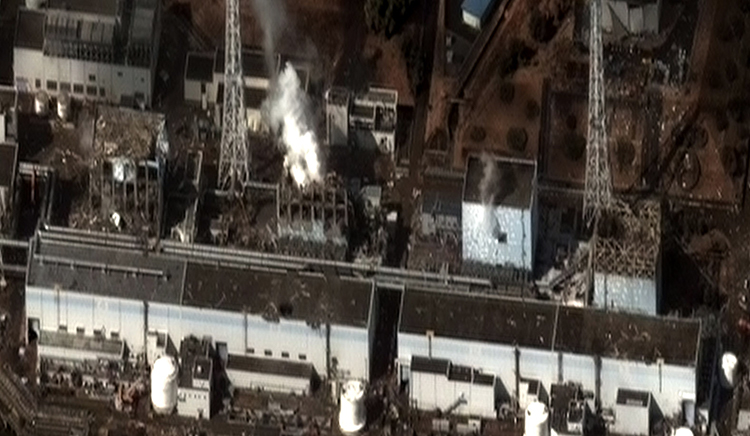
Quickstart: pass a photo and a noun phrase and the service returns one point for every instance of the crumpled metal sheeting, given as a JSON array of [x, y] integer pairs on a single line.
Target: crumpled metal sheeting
[[127, 132]]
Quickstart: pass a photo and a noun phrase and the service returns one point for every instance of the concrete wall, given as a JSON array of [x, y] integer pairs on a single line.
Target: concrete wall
[[71, 309], [580, 369], [116, 80], [194, 403], [489, 358], [434, 391], [371, 140], [285, 336], [481, 245], [222, 326], [337, 124], [269, 382], [192, 90], [627, 294], [350, 347], [631, 420], [668, 384], [28, 66], [53, 352]]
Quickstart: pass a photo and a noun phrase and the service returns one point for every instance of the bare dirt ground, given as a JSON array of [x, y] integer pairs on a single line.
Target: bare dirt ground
[[719, 75], [491, 115]]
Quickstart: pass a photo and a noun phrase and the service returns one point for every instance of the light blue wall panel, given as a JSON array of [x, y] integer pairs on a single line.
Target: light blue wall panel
[[221, 326], [579, 369], [350, 346], [292, 337], [627, 294], [667, 383], [491, 358], [539, 365]]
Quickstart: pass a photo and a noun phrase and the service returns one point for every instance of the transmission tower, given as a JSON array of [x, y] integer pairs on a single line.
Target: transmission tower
[[234, 160], [598, 184]]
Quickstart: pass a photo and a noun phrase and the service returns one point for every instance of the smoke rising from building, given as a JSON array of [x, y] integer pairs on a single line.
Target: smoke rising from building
[[287, 108], [490, 179], [271, 15], [287, 111], [488, 189]]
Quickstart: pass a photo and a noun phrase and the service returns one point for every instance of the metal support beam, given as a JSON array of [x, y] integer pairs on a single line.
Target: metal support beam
[[234, 158]]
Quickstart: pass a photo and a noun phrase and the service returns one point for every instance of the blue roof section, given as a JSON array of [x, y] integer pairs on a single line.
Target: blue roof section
[[478, 8]]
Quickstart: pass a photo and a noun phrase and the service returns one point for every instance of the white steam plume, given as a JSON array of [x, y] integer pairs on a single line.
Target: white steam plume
[[271, 15], [487, 191], [490, 179], [288, 111]]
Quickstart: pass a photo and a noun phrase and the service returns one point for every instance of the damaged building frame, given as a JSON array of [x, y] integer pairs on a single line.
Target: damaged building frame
[[313, 220], [627, 258], [126, 172]]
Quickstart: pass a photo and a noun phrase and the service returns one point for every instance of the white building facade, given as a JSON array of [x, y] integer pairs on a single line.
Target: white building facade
[[534, 341], [89, 51], [119, 293]]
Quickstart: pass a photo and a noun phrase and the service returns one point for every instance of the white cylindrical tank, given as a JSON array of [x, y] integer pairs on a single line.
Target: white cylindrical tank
[[63, 106], [536, 420], [34, 4], [683, 431], [353, 414], [164, 385], [41, 103], [729, 368]]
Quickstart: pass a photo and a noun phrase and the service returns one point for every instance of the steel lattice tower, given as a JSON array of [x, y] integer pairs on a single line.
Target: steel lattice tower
[[234, 160], [598, 185]]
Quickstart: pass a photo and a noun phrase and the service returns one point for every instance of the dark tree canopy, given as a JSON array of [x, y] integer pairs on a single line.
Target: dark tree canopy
[[574, 146], [386, 16], [532, 109], [517, 138], [507, 92]]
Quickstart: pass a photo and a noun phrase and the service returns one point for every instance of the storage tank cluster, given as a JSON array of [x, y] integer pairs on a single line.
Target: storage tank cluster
[[729, 370], [353, 414], [536, 420], [164, 385]]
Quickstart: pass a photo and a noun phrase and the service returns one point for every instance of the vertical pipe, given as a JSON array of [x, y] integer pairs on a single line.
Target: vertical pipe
[[145, 329], [517, 355], [328, 350], [598, 375]]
